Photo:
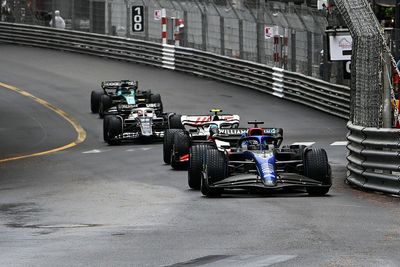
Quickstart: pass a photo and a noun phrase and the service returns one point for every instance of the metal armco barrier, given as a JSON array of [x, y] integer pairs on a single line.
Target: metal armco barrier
[[374, 158], [330, 98], [81, 42]]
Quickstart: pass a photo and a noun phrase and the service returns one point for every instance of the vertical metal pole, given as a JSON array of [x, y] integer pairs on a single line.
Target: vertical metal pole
[[241, 38], [387, 108], [185, 29], [260, 32], [73, 15], [293, 51], [326, 75], [309, 54], [222, 34], [146, 22], [204, 28], [397, 30], [128, 20], [109, 19], [53, 9], [91, 15], [163, 26]]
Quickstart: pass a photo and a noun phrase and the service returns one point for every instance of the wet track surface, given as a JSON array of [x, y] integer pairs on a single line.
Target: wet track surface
[[98, 205]]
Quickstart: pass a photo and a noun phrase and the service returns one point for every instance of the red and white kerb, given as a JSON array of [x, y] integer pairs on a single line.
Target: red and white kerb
[[164, 26]]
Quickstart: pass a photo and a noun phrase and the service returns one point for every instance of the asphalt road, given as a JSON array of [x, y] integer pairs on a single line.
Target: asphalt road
[[97, 205]]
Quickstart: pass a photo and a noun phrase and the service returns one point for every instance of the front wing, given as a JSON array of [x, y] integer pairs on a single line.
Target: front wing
[[285, 180]]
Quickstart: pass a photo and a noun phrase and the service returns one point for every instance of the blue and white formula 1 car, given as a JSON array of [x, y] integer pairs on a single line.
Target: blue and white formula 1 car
[[258, 162]]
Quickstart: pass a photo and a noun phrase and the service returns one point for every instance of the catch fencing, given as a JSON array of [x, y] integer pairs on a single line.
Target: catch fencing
[[294, 39]]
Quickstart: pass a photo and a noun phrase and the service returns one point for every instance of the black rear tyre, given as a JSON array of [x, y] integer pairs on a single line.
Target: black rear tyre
[[182, 143], [196, 161], [168, 143], [105, 128], [216, 167], [316, 167], [105, 103], [156, 98], [95, 100], [113, 129], [175, 122]]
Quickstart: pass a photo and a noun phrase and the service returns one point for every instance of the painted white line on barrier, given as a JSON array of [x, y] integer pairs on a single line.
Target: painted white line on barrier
[[339, 143], [277, 85], [168, 56]]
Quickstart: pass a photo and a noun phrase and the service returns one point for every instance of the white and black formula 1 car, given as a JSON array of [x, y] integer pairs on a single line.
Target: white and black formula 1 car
[[257, 161], [130, 123], [187, 130], [122, 92]]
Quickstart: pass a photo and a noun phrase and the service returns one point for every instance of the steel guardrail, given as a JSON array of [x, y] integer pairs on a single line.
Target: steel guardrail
[[138, 51], [374, 158]]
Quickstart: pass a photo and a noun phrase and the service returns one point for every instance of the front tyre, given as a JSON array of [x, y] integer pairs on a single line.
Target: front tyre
[[182, 143], [175, 122], [196, 160], [156, 98], [168, 143], [105, 103], [113, 130], [316, 167], [95, 100], [216, 170]]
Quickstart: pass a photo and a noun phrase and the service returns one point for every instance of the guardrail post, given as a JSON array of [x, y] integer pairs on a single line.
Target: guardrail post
[[185, 29], [73, 15], [222, 35], [53, 9], [128, 20], [241, 38], [387, 108], [204, 28], [260, 32], [146, 22], [309, 53], [326, 71], [293, 51]]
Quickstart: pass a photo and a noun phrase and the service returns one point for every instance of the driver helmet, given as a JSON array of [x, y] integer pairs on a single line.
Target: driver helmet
[[253, 145], [124, 89], [213, 129]]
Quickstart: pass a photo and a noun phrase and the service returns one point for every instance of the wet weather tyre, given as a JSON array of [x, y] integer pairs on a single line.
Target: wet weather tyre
[[316, 167], [182, 143], [216, 168], [168, 143], [105, 103], [114, 128], [95, 101], [105, 128], [196, 160], [175, 122]]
